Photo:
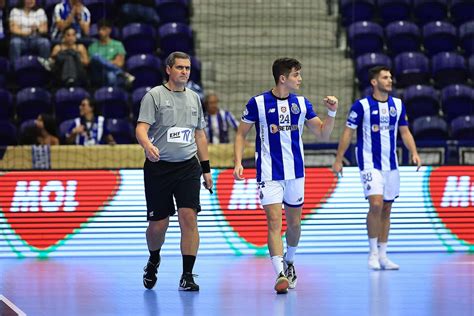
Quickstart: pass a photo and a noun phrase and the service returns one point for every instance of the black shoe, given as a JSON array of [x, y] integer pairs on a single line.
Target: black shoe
[[149, 274], [187, 282], [291, 275]]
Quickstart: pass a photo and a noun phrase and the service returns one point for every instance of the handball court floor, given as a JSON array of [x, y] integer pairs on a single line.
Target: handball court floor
[[328, 284]]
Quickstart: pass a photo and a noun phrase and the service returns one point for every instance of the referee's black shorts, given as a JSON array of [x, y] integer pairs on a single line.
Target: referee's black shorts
[[163, 180]]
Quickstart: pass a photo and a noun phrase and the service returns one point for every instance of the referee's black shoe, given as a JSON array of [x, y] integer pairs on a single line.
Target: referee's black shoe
[[149, 274], [187, 282]]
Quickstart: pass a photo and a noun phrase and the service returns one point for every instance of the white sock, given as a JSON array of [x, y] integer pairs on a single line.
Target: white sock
[[382, 249], [373, 245], [290, 254], [277, 262]]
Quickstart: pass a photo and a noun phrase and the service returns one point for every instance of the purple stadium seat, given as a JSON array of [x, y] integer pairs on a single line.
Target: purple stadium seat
[[147, 70], [137, 96], [394, 10], [430, 128], [30, 73], [100, 9], [439, 37], [121, 130], [457, 100], [411, 68], [8, 133], [462, 128], [466, 37], [112, 101], [421, 100], [175, 37], [462, 11], [367, 61], [448, 68], [30, 102], [139, 38], [430, 10], [6, 104], [64, 127], [402, 36], [365, 37], [4, 70], [67, 102], [173, 10], [356, 10]]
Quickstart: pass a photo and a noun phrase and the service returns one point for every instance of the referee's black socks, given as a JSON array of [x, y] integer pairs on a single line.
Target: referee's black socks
[[188, 263]]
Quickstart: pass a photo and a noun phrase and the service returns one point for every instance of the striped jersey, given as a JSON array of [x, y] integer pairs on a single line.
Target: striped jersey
[[279, 125], [94, 131], [377, 126]]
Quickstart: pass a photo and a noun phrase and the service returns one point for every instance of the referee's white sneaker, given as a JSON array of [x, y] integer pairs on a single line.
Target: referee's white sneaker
[[374, 263], [387, 264]]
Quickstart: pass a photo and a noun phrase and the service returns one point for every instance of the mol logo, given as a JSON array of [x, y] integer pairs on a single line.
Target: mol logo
[[452, 193], [43, 208]]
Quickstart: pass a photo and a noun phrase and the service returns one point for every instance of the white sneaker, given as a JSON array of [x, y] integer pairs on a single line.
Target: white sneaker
[[374, 261], [281, 284], [387, 264]]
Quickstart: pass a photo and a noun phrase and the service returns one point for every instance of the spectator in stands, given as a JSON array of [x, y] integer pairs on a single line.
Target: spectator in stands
[[89, 129], [47, 132], [28, 29], [142, 11], [219, 121], [107, 58], [69, 60], [70, 13]]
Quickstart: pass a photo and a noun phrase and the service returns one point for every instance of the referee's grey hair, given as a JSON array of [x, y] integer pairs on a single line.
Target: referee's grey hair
[[170, 60]]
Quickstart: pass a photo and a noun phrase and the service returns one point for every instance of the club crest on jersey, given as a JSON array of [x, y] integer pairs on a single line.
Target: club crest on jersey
[[245, 112], [375, 128], [283, 109], [393, 111], [295, 109], [353, 115]]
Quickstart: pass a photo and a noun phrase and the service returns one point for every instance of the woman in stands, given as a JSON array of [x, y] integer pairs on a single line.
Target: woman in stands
[[46, 130]]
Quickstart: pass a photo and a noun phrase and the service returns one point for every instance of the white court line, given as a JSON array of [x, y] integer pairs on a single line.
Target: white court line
[[12, 306]]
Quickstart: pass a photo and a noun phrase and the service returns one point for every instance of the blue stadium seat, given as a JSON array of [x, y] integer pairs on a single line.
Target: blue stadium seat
[[139, 38], [394, 10], [30, 102], [430, 128], [175, 37], [195, 70], [4, 70], [8, 133], [173, 10], [439, 37], [64, 128], [462, 128], [147, 70], [466, 37], [367, 61], [365, 37], [137, 96], [112, 101], [48, 7], [457, 100], [121, 130], [402, 36], [6, 104], [430, 10], [421, 100], [448, 68], [26, 124], [100, 9], [67, 102], [356, 10], [30, 73], [462, 11], [411, 68]]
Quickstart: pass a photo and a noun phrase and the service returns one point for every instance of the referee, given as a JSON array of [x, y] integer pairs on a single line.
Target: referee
[[170, 129]]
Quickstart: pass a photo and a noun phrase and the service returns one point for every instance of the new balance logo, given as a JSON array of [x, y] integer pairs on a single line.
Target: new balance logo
[[271, 111]]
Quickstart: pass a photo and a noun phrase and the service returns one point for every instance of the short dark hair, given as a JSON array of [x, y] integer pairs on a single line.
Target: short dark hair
[[49, 123], [283, 66], [375, 71], [171, 59], [104, 23]]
